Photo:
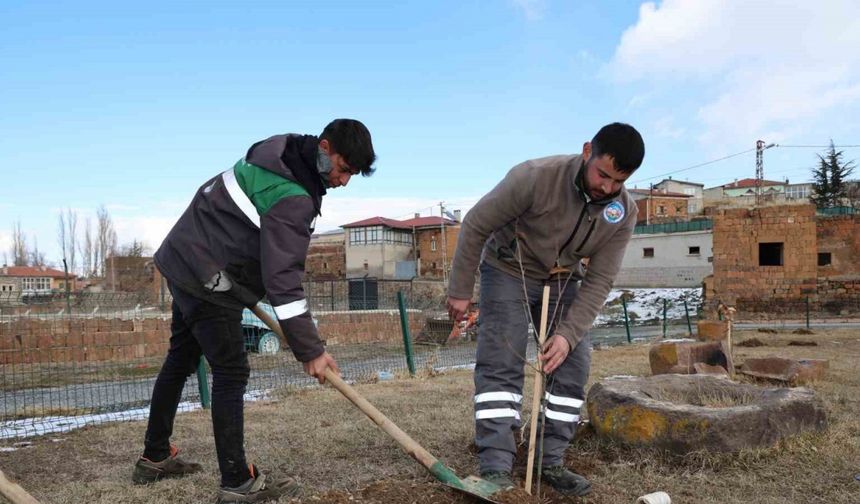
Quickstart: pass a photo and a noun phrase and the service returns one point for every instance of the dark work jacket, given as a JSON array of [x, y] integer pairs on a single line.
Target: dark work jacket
[[252, 222]]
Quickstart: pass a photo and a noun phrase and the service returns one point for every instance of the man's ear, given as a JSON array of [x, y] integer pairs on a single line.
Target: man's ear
[[325, 146], [586, 150]]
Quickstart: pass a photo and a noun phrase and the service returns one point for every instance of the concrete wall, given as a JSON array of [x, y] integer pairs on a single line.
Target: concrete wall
[[381, 259], [672, 264]]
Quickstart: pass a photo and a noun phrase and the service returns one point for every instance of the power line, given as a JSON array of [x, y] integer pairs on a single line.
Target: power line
[[697, 165], [818, 146]]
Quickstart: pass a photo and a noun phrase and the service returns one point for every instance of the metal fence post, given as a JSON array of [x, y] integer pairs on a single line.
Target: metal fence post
[[404, 326], [807, 312], [664, 317], [687, 312], [203, 384], [626, 319], [331, 289]]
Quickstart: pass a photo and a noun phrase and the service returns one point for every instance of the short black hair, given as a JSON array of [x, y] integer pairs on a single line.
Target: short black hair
[[351, 139], [623, 143]]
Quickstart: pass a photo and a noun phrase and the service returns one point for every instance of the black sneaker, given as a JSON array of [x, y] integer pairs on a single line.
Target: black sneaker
[[565, 482], [147, 471], [501, 478], [259, 488]]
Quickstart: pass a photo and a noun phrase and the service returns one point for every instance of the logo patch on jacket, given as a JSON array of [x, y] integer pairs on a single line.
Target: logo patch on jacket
[[614, 212]]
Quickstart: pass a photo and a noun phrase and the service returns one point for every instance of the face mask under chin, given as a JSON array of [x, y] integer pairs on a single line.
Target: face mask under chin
[[324, 167]]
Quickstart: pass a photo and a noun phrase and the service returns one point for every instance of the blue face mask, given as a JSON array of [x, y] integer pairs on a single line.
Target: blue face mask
[[324, 166]]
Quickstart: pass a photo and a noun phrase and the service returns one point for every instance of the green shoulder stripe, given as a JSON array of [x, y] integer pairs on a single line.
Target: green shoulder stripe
[[263, 187]]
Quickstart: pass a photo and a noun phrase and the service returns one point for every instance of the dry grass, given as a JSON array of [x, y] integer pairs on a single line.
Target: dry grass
[[341, 457]]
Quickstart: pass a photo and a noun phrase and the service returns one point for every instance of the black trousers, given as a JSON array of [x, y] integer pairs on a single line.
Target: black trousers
[[202, 328]]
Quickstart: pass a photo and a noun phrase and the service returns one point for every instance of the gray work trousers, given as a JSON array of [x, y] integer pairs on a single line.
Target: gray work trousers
[[499, 370]]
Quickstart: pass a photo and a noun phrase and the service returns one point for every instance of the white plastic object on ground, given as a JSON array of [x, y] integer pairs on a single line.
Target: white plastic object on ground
[[655, 498]]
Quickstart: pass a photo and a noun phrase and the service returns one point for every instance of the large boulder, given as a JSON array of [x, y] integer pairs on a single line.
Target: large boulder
[[683, 413]]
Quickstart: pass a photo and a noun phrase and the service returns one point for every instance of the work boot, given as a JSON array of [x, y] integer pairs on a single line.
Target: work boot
[[147, 471], [258, 488], [565, 482], [501, 478]]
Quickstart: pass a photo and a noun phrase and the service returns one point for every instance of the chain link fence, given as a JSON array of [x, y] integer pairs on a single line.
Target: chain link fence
[[70, 360]]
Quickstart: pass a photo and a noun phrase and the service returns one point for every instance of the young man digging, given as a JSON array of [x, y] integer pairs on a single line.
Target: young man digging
[[244, 235], [536, 226]]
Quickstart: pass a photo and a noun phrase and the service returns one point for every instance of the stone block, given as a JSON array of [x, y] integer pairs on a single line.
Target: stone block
[[679, 356], [712, 330], [781, 369]]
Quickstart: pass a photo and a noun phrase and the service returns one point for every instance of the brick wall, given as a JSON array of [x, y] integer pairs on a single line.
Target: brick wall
[[346, 327], [431, 260], [95, 340], [91, 340]]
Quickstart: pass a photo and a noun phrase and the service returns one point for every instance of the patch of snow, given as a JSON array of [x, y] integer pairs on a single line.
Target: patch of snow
[[645, 305], [50, 424]]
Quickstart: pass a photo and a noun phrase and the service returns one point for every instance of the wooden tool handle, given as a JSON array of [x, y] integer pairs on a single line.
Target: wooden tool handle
[[14, 492], [408, 444], [538, 391]]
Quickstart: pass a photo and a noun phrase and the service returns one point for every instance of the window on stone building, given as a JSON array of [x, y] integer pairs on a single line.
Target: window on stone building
[[824, 259], [711, 259], [679, 209], [694, 251], [770, 254], [661, 210], [366, 267], [648, 252], [325, 265], [433, 244]]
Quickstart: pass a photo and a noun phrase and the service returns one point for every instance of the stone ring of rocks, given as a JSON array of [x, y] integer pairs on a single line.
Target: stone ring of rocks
[[684, 413]]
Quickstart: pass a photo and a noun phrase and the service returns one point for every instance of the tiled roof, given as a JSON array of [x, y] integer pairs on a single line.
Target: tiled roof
[[417, 222], [750, 182], [32, 271], [431, 221], [377, 221]]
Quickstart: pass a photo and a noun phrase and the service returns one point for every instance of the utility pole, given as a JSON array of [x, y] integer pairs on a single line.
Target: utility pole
[[759, 168], [444, 243]]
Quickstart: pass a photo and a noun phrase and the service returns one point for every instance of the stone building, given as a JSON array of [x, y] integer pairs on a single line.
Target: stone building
[[776, 259], [326, 259], [657, 205]]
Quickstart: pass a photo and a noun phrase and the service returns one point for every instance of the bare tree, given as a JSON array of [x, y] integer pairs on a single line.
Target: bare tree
[[62, 239], [105, 238], [19, 251], [67, 232], [72, 232], [37, 258], [87, 249]]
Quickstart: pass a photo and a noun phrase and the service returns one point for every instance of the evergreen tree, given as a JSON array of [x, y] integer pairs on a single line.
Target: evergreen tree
[[829, 178]]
